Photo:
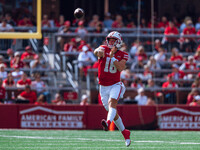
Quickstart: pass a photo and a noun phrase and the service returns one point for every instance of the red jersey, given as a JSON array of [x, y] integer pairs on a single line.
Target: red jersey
[[169, 31], [107, 72], [188, 31], [19, 65], [27, 82], [31, 96], [179, 75], [169, 85], [176, 58], [28, 55]]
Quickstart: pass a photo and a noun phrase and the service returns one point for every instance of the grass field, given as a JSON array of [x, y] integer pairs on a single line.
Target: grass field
[[96, 139]]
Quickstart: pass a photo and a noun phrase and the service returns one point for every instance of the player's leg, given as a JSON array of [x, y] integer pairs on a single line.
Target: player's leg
[[117, 119]]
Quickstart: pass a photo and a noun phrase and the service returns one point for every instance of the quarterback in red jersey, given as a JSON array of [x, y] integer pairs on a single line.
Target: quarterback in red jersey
[[111, 62]]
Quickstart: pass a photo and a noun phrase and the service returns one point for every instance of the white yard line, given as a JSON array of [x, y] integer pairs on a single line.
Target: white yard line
[[89, 139]]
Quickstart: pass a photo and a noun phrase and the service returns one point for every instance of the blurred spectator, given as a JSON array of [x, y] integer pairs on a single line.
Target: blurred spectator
[[134, 48], [16, 62], [197, 56], [141, 53], [197, 25], [141, 98], [81, 30], [143, 23], [41, 100], [3, 73], [97, 40], [176, 22], [125, 76], [58, 100], [5, 27], [196, 83], [107, 20], [153, 64], [28, 54], [9, 82], [194, 92], [40, 86], [137, 83], [171, 41], [163, 23], [17, 74], [196, 101], [189, 42], [183, 25], [95, 21], [28, 94], [189, 65], [147, 74], [23, 81], [61, 21], [9, 20], [157, 45], [169, 90], [37, 63], [176, 73], [175, 55], [84, 100], [138, 64], [2, 61], [45, 21], [25, 21], [71, 46], [10, 54], [160, 57], [2, 91], [118, 23], [64, 29], [85, 59]]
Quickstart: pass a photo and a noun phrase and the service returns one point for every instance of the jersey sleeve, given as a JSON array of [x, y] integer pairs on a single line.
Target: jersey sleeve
[[125, 56]]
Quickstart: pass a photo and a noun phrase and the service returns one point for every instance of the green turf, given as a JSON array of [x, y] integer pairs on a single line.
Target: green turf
[[96, 139]]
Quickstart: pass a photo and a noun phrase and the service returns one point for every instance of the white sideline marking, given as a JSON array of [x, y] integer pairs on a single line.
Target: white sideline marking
[[87, 139]]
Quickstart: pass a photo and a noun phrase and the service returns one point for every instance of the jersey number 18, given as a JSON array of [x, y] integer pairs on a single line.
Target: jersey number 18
[[109, 67]]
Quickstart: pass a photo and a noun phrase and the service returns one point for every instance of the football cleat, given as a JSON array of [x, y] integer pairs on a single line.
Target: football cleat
[[104, 124], [126, 133]]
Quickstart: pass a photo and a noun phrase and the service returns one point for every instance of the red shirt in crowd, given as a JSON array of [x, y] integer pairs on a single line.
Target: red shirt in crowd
[[188, 31], [69, 48], [180, 74], [31, 96], [27, 82], [171, 31], [169, 85], [23, 23], [2, 92], [163, 24], [26, 54], [7, 83], [176, 58], [19, 65]]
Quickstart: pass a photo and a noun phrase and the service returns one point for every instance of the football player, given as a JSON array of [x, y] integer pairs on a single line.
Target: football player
[[111, 62]]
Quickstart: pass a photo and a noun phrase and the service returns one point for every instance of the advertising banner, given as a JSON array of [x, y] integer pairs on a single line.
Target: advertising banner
[[50, 117]]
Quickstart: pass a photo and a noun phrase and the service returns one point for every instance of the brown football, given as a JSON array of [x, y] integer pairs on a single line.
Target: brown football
[[79, 13]]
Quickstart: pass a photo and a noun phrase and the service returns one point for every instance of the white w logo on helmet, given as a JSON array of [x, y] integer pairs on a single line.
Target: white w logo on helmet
[[115, 35]]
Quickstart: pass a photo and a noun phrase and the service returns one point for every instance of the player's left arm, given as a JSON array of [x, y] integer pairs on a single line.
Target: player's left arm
[[120, 65]]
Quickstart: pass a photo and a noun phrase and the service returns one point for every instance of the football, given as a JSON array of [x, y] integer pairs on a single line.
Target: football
[[79, 13]]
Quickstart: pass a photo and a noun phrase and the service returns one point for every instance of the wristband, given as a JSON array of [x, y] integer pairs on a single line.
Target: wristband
[[113, 59]]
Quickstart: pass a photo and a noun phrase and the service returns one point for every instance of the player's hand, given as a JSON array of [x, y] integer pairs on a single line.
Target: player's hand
[[113, 50], [101, 53]]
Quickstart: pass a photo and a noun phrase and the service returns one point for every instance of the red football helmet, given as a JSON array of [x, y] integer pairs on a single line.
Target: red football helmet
[[114, 35]]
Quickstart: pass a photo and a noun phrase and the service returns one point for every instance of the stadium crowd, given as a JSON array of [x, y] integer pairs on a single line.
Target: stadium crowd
[[178, 51]]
